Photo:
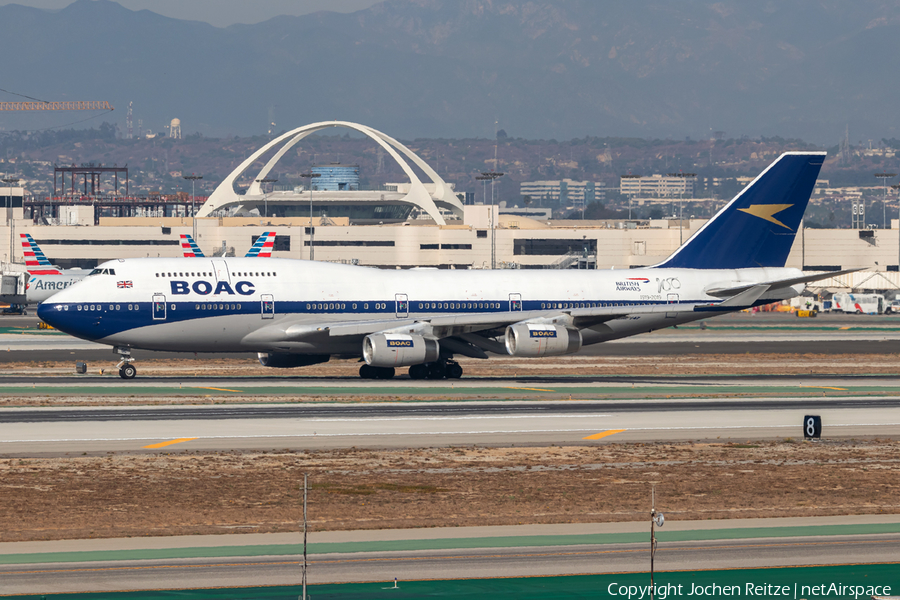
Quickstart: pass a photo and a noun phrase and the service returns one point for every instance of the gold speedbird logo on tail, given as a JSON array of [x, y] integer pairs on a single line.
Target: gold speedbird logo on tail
[[767, 212]]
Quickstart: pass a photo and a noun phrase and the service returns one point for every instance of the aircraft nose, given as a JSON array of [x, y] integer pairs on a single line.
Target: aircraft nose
[[51, 313]]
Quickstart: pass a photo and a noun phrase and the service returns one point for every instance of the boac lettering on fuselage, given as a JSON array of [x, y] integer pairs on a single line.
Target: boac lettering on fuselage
[[205, 288]]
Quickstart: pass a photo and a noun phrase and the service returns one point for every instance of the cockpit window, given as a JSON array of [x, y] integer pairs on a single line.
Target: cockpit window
[[102, 272]]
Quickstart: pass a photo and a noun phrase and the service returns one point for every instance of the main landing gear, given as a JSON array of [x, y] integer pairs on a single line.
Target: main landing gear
[[444, 369], [126, 369]]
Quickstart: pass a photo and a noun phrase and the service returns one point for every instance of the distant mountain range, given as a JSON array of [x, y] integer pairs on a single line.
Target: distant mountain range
[[451, 68]]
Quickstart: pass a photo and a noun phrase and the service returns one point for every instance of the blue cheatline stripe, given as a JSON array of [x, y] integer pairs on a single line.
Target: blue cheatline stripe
[[99, 320]]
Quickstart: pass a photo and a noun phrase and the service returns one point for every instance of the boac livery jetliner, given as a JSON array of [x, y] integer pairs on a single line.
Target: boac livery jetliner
[[296, 313]]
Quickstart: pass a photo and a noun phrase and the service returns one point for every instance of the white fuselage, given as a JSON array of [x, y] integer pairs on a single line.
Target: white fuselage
[[223, 304]]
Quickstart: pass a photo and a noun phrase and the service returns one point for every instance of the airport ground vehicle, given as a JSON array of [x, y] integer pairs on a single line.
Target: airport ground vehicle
[[868, 304]]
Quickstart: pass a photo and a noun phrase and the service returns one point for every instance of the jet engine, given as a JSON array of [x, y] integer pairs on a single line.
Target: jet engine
[[399, 350], [532, 339], [281, 360]]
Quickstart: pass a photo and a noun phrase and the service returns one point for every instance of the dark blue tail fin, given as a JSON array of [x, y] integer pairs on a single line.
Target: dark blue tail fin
[[757, 228]]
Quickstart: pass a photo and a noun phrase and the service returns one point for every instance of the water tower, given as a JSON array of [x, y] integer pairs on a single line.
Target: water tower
[[175, 129]]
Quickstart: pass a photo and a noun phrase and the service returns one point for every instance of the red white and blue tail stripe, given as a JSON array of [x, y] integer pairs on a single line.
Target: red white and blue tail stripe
[[35, 261], [263, 246], [189, 247]]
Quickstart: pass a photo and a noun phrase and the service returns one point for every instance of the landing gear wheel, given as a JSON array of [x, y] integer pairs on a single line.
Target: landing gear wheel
[[128, 372], [418, 372], [453, 371], [385, 372], [436, 370]]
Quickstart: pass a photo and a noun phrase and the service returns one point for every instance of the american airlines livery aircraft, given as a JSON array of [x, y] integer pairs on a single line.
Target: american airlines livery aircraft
[[262, 248], [40, 280], [296, 313]]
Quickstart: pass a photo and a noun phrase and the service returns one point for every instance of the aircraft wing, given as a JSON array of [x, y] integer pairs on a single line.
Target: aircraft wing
[[445, 326]]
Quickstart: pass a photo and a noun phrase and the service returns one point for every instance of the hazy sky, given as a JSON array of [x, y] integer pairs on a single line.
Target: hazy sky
[[220, 13]]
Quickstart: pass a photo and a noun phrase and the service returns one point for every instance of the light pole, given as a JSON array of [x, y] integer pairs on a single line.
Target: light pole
[[10, 182], [631, 192], [684, 176], [263, 183], [193, 179], [312, 230], [493, 175], [884, 177], [658, 519]]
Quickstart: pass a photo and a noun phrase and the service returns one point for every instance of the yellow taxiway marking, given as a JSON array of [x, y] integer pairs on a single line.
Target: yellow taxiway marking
[[219, 389], [603, 434], [823, 387], [169, 443], [532, 389]]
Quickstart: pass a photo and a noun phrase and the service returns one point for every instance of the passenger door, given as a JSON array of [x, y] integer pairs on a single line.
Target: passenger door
[[402, 305], [515, 302], [221, 268], [672, 299], [267, 306], [159, 307]]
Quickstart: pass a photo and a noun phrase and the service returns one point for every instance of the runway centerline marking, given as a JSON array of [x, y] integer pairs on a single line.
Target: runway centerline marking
[[169, 443], [603, 434], [217, 389]]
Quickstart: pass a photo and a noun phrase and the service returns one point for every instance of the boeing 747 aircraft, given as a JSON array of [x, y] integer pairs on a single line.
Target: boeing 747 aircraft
[[295, 313]]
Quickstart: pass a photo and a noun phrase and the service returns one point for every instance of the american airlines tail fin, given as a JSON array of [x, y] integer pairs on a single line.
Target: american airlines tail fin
[[757, 228], [263, 246], [190, 247], [35, 261]]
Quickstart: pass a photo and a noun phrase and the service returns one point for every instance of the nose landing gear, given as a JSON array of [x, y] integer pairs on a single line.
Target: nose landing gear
[[126, 369]]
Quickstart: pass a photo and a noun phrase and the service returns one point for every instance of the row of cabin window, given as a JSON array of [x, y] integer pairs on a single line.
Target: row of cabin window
[[340, 306], [455, 305], [205, 274], [587, 304], [89, 307], [215, 306]]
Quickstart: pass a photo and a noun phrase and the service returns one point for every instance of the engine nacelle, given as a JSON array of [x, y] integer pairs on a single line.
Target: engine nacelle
[[280, 360], [399, 350], [533, 339]]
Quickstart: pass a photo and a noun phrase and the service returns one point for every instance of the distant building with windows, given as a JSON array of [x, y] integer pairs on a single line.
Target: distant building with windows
[[656, 185], [564, 192]]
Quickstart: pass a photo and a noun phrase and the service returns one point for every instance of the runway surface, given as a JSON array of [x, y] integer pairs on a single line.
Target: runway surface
[[31, 432]]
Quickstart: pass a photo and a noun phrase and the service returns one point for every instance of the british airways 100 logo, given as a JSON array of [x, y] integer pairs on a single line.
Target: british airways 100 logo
[[632, 284], [205, 288]]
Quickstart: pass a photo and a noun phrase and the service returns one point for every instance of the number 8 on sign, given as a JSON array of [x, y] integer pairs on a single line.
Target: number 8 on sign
[[812, 427]]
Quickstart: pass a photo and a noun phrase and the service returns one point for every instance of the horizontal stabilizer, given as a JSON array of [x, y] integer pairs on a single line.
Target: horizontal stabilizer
[[745, 298], [779, 284]]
